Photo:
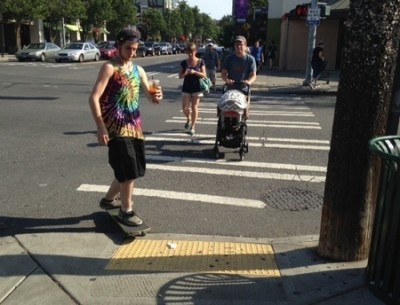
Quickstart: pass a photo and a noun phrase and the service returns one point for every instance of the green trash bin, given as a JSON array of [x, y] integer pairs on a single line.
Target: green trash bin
[[383, 269]]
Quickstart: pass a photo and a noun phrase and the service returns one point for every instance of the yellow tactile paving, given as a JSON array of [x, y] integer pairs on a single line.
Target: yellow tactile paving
[[195, 256]]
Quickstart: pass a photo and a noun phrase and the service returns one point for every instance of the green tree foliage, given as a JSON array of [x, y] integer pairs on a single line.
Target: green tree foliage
[[227, 26], [125, 15], [22, 11], [70, 10], [154, 23], [98, 12], [186, 19]]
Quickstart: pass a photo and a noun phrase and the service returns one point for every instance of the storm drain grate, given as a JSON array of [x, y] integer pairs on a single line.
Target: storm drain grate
[[293, 199]]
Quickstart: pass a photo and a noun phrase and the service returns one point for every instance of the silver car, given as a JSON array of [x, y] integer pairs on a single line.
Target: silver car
[[78, 51], [38, 51]]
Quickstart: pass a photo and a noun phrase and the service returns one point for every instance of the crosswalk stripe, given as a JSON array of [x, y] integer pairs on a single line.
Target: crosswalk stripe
[[262, 138], [271, 125], [241, 202], [183, 119], [176, 75], [237, 173], [196, 140], [283, 166], [266, 113]]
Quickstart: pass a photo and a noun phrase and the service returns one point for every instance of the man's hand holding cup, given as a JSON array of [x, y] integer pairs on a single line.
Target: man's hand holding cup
[[155, 91]]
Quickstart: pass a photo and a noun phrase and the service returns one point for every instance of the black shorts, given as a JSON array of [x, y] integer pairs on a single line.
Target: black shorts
[[318, 67], [127, 158]]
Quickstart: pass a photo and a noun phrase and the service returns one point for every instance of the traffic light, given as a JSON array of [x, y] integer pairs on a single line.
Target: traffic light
[[301, 10]]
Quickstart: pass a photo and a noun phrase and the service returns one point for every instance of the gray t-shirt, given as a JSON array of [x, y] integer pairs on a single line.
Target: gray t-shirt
[[211, 59], [239, 68]]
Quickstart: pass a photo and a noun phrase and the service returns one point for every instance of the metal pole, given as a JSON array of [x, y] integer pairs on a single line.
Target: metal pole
[[3, 43], [63, 32], [312, 32]]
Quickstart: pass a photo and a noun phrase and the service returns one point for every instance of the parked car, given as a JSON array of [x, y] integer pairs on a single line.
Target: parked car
[[107, 49], [165, 48], [182, 47], [152, 48], [38, 51], [175, 48], [141, 50], [78, 51]]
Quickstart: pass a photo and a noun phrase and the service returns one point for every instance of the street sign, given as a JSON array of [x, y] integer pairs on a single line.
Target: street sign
[[313, 22], [313, 16]]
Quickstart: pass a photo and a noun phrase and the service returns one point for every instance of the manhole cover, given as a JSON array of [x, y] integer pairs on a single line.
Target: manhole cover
[[292, 199]]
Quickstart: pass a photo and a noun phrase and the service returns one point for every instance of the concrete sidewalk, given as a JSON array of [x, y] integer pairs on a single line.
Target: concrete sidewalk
[[71, 268]]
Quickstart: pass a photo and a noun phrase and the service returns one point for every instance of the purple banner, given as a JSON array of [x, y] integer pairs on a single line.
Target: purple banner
[[241, 10]]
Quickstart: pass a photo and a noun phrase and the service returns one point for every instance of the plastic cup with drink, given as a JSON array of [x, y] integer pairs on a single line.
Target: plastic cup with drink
[[154, 85]]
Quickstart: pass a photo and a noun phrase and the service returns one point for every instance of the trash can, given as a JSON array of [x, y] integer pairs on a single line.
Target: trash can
[[383, 269]]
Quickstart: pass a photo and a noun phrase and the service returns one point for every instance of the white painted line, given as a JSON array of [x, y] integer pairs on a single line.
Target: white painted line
[[266, 113], [189, 197], [183, 119], [237, 173], [152, 73], [199, 135], [283, 166], [276, 125], [195, 140], [176, 75]]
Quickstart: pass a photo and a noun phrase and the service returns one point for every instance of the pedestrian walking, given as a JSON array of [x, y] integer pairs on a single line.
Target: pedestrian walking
[[213, 63], [192, 69], [240, 67], [317, 63], [257, 53], [271, 53], [114, 103]]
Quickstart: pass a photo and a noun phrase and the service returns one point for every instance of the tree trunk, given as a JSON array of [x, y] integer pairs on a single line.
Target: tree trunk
[[362, 108], [18, 34]]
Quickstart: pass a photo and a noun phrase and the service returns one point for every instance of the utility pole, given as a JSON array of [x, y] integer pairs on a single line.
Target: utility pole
[[312, 32], [3, 43]]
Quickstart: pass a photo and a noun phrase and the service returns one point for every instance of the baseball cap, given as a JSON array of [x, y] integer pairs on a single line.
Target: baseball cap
[[240, 38], [128, 35], [210, 44]]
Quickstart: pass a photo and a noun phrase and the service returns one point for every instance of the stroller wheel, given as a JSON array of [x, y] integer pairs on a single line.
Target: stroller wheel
[[241, 155]]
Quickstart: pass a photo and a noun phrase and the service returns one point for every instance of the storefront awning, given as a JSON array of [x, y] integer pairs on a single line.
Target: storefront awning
[[72, 27]]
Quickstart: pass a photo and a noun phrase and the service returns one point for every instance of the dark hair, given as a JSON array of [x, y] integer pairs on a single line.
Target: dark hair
[[128, 34]]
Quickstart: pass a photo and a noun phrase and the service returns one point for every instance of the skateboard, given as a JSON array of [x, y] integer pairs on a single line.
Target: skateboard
[[131, 231]]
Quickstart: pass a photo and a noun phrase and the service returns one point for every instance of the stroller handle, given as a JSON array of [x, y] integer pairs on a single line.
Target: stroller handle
[[241, 86]]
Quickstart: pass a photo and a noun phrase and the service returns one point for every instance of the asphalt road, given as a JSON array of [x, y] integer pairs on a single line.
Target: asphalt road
[[53, 172]]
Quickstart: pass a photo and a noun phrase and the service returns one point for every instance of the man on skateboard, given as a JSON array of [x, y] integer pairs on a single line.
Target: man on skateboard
[[114, 103]]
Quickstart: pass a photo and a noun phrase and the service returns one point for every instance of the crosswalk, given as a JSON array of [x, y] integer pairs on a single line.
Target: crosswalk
[[280, 113], [73, 66]]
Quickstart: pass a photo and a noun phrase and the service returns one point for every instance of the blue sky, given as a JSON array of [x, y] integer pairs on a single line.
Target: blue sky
[[215, 8]]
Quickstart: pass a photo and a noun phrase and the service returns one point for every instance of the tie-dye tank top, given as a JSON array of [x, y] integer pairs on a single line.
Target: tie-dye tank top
[[120, 104]]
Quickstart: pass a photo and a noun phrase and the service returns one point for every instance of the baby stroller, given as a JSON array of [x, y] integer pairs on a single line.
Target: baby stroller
[[232, 127]]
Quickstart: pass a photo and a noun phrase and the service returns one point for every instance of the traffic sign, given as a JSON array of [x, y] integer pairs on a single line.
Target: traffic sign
[[313, 22], [313, 16]]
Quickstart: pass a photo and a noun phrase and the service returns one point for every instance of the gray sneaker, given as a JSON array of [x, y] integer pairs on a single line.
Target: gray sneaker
[[106, 204], [129, 219]]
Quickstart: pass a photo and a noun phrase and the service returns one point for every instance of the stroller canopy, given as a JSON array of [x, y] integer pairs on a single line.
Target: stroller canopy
[[232, 100]]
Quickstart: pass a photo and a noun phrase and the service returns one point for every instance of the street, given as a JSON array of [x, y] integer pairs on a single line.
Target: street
[[54, 172]]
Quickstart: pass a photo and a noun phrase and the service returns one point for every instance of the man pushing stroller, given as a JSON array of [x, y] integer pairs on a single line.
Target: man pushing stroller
[[239, 69], [238, 72]]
